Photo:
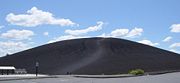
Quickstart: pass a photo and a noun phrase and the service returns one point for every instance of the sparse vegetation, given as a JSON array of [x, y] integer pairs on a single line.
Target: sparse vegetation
[[136, 72]]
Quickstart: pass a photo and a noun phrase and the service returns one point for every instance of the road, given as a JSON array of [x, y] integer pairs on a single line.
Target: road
[[162, 78]]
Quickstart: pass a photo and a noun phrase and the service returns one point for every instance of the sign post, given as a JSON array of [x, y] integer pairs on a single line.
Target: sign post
[[37, 65]]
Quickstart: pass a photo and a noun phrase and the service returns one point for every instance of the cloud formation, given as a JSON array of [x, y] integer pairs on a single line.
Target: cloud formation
[[135, 32], [119, 32], [174, 45], [46, 33], [81, 33], [11, 47], [114, 33], [66, 37], [124, 32], [35, 17], [167, 39], [85, 31], [18, 34], [148, 42], [175, 28], [176, 51]]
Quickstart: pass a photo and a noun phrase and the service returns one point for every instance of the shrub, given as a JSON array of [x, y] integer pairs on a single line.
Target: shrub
[[136, 72]]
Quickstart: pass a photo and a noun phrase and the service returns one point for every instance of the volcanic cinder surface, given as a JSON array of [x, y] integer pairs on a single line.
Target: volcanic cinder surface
[[93, 56]]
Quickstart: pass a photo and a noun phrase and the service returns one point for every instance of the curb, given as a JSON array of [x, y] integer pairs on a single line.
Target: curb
[[25, 78], [119, 76]]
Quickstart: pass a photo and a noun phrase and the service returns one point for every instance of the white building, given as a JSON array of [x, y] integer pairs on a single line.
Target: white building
[[7, 70]]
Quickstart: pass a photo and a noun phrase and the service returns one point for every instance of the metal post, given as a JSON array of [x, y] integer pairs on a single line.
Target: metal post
[[2, 72], [7, 72], [37, 65]]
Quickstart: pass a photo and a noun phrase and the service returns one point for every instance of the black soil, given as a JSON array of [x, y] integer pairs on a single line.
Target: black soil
[[94, 56]]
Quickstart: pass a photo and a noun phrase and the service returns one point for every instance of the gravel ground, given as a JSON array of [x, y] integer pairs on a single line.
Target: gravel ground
[[163, 78]]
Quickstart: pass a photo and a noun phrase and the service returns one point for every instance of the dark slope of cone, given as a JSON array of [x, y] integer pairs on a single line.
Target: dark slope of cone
[[93, 56]]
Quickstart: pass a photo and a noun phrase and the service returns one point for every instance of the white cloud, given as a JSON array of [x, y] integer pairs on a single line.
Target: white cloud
[[119, 32], [46, 33], [35, 17], [167, 39], [123, 32], [104, 35], [175, 28], [85, 31], [1, 26], [148, 42], [176, 51], [135, 32], [18, 34], [174, 45], [11, 47], [74, 34], [66, 37]]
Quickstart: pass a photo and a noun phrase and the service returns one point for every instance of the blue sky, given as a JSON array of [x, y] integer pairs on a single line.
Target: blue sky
[[30, 23]]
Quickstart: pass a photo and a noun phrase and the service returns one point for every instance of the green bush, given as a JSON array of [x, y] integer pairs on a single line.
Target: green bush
[[136, 72]]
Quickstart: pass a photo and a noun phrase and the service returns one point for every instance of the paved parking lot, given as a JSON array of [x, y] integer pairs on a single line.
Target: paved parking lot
[[163, 78]]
